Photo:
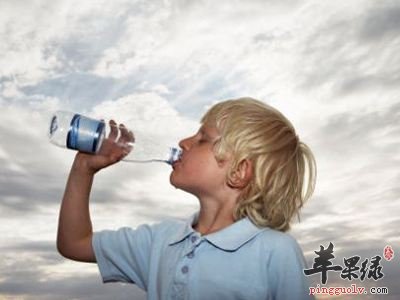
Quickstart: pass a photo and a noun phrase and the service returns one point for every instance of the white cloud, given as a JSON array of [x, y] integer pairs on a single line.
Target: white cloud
[[150, 117], [332, 68]]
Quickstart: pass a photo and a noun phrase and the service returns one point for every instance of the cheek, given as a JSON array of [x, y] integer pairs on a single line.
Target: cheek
[[188, 174]]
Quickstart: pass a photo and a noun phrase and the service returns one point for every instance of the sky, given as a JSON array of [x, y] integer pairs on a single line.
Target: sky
[[332, 67]]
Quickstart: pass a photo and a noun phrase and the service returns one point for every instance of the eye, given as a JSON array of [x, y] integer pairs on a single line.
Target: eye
[[201, 138], [202, 141]]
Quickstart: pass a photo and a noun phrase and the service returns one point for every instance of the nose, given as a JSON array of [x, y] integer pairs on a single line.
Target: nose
[[185, 143]]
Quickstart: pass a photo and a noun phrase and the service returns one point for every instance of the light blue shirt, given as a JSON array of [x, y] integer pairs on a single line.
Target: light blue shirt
[[170, 260]]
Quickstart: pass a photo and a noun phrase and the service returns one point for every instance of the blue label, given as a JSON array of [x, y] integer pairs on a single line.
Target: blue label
[[85, 134]]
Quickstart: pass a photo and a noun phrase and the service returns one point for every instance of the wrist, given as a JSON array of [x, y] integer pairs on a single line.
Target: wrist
[[81, 164]]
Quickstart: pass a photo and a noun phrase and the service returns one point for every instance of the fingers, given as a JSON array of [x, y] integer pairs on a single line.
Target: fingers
[[126, 140], [126, 136], [120, 137], [114, 148], [113, 130], [120, 133]]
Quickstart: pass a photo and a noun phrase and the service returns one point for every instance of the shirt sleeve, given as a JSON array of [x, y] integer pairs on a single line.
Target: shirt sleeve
[[286, 266], [124, 255]]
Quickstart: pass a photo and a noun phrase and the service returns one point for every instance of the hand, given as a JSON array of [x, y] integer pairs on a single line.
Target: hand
[[113, 149]]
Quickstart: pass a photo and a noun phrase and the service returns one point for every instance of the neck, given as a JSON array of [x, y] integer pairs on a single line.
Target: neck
[[214, 217]]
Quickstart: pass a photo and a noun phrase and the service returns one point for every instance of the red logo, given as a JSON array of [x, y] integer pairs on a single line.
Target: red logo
[[388, 253]]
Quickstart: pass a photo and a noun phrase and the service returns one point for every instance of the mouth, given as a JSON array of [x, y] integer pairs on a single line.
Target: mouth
[[175, 155], [175, 163]]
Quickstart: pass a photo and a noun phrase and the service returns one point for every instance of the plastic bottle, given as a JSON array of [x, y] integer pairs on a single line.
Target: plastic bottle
[[74, 131]]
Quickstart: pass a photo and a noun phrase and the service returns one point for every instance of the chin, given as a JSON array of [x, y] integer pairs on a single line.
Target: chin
[[173, 180], [176, 183]]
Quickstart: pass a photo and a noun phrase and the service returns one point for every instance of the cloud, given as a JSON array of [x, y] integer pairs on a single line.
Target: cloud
[[73, 88], [332, 68], [382, 22], [211, 65], [34, 270], [344, 54], [354, 154]]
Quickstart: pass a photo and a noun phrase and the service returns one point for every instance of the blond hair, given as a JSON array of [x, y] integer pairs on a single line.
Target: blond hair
[[284, 168]]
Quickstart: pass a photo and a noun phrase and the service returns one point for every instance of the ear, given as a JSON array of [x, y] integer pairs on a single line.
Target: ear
[[243, 174]]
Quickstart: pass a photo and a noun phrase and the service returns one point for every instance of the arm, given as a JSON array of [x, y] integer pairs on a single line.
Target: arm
[[74, 225], [74, 237]]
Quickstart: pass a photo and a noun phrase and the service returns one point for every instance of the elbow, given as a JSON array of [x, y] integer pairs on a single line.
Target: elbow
[[62, 248], [77, 250], [65, 247]]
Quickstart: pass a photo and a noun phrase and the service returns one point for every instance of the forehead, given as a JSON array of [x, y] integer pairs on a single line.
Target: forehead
[[209, 130]]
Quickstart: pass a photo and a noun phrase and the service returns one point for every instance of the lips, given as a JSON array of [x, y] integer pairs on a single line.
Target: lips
[[176, 163]]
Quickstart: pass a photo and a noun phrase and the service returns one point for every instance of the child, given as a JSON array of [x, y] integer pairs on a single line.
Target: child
[[251, 175]]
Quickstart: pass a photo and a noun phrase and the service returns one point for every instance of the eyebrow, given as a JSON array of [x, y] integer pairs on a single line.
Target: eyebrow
[[206, 133]]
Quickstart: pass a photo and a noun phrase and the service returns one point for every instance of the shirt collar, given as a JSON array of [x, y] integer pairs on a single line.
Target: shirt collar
[[229, 238], [185, 230]]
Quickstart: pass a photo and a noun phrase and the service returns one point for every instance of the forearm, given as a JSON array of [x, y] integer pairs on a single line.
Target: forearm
[[74, 239], [74, 225]]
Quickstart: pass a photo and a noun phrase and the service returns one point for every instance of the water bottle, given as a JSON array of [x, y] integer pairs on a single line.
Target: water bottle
[[75, 131]]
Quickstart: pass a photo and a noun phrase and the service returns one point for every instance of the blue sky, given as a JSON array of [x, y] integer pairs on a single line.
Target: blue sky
[[331, 67]]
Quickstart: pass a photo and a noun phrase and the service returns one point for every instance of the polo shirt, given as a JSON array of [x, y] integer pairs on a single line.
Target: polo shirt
[[170, 260]]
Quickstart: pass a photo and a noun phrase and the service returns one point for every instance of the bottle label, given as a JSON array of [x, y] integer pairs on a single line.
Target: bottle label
[[85, 134]]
